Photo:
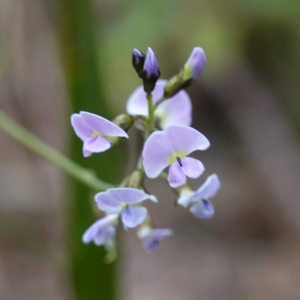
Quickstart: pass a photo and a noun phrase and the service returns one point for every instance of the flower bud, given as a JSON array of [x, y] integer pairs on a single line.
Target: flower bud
[[190, 72], [151, 71], [138, 59], [194, 65], [136, 179], [124, 121]]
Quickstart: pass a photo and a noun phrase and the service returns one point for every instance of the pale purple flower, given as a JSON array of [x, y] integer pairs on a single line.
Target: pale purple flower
[[138, 59], [195, 64], [177, 110], [151, 238], [123, 201], [201, 206], [170, 148], [101, 231], [95, 132]]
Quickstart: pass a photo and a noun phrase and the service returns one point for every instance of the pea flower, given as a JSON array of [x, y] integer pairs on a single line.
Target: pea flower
[[170, 148], [96, 132], [195, 64], [201, 205], [177, 110], [151, 238], [101, 231], [122, 201]]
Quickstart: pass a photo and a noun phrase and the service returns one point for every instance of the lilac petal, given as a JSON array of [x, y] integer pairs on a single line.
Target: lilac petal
[[152, 238], [102, 125], [81, 127], [186, 139], [91, 233], [107, 202], [174, 111], [137, 102], [86, 153], [195, 64], [192, 167], [96, 144], [203, 209], [208, 189], [156, 153], [177, 110], [151, 64], [130, 195], [176, 176], [133, 216], [104, 235]]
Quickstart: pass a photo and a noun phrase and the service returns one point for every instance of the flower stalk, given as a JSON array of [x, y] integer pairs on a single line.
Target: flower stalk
[[150, 124]]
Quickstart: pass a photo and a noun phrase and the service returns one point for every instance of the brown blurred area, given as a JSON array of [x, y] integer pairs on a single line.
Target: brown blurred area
[[246, 103]]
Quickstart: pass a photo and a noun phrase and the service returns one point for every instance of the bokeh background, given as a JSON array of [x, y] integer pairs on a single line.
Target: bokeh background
[[59, 57]]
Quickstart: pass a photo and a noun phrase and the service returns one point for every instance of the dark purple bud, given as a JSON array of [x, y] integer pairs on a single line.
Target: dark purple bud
[[151, 71], [138, 59], [194, 65]]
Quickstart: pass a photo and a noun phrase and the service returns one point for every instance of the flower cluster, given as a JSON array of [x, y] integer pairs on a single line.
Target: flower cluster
[[163, 111]]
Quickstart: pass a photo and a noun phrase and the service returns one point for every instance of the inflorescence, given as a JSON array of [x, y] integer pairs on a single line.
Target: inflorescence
[[162, 110]]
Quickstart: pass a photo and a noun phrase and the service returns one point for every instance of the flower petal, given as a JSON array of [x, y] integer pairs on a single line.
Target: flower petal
[[208, 189], [104, 235], [133, 216], [152, 238], [137, 102], [192, 167], [130, 195], [177, 110], [186, 139], [176, 176], [203, 209], [156, 153], [91, 233], [96, 144], [81, 127], [85, 152], [108, 202], [174, 111], [102, 125]]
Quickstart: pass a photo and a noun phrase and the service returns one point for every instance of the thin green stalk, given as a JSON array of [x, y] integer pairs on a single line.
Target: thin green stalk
[[26, 138], [150, 124], [161, 100]]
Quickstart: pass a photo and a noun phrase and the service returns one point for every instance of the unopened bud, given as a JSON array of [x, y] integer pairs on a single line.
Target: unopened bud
[[194, 65], [136, 179], [151, 71], [190, 72], [138, 59], [124, 121]]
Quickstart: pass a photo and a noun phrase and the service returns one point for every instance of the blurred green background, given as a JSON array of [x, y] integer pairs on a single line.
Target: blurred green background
[[59, 57]]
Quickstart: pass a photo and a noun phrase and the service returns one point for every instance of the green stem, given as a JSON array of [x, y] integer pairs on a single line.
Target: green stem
[[150, 124], [26, 138], [161, 100]]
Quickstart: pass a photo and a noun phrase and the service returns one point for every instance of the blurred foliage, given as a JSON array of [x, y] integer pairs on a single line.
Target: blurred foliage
[[92, 278], [265, 34]]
